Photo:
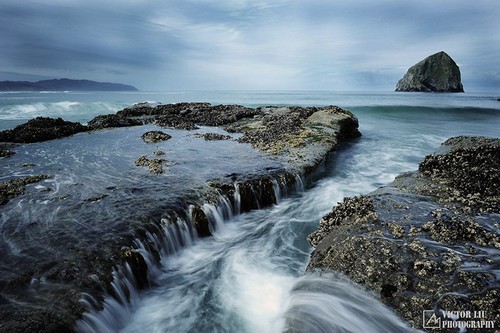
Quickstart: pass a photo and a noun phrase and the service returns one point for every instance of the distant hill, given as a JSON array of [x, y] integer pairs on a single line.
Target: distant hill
[[63, 85]]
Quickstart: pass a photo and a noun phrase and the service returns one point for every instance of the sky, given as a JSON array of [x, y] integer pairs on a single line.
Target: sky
[[161, 45]]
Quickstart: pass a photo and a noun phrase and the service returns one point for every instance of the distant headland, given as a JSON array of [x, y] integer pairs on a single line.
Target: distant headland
[[64, 85]]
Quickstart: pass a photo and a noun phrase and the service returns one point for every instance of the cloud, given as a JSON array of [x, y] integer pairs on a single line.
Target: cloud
[[271, 44]]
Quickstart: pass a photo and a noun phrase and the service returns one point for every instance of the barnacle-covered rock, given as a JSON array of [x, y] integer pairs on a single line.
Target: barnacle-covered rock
[[430, 240]]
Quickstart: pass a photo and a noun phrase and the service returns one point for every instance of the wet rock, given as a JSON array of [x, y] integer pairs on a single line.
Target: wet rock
[[155, 136], [155, 165], [41, 129], [14, 319], [201, 222], [416, 243], [50, 290], [148, 109], [175, 122], [282, 129], [6, 153], [15, 187], [113, 120], [469, 168], [96, 198], [213, 136], [138, 265]]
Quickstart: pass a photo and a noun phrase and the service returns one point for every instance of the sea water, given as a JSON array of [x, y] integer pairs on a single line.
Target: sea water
[[249, 277]]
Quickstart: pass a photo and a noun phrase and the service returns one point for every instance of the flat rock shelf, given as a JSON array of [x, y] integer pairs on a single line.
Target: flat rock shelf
[[77, 211]]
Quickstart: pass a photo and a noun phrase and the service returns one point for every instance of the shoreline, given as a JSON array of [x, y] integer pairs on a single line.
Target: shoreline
[[298, 137]]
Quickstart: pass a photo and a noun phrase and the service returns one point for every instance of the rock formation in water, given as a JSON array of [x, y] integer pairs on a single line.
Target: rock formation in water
[[436, 73], [72, 269], [41, 129], [429, 240]]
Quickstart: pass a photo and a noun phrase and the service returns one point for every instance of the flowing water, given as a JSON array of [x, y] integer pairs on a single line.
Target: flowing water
[[249, 277]]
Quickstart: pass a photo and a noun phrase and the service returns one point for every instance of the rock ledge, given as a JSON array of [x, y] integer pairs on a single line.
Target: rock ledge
[[429, 240]]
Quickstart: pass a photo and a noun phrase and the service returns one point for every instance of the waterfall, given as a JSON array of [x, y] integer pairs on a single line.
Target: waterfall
[[174, 234], [120, 301], [299, 184], [117, 306], [277, 190], [237, 198]]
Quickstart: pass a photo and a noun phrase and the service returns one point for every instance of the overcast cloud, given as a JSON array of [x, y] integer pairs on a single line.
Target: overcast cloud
[[243, 44]]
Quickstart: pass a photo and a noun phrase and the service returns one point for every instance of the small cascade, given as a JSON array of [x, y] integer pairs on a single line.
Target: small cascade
[[152, 263], [299, 184], [277, 190], [117, 306], [256, 196], [177, 235], [188, 233], [173, 234], [214, 216], [120, 301], [237, 199], [225, 208]]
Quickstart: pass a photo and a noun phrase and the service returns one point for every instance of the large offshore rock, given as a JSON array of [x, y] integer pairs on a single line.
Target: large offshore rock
[[428, 241], [436, 73]]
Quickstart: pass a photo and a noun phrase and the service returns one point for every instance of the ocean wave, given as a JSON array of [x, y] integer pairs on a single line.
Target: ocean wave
[[65, 109]]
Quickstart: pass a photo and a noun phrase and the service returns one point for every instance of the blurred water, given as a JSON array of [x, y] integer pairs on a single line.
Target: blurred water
[[249, 276]]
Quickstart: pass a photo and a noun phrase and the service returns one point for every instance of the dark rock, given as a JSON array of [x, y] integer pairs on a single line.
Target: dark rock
[[201, 222], [213, 136], [153, 164], [112, 120], [4, 152], [428, 241], [470, 169], [138, 265], [155, 136], [436, 73], [41, 129], [17, 319], [176, 122], [15, 187], [51, 290]]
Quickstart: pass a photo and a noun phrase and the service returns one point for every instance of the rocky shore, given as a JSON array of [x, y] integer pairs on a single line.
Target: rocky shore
[[429, 240], [46, 296]]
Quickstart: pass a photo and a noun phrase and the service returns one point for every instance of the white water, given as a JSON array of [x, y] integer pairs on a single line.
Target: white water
[[249, 276]]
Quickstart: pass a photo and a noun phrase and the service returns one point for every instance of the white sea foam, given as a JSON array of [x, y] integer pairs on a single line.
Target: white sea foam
[[257, 291], [12, 115]]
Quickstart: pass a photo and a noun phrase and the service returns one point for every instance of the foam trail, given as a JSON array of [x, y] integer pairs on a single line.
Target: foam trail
[[331, 303]]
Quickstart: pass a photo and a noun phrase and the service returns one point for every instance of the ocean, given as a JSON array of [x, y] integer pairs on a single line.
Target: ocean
[[248, 277]]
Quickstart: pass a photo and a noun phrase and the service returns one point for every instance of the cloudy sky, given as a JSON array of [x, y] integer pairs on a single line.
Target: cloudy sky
[[247, 44]]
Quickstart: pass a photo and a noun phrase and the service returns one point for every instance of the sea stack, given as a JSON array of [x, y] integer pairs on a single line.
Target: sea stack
[[436, 73]]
